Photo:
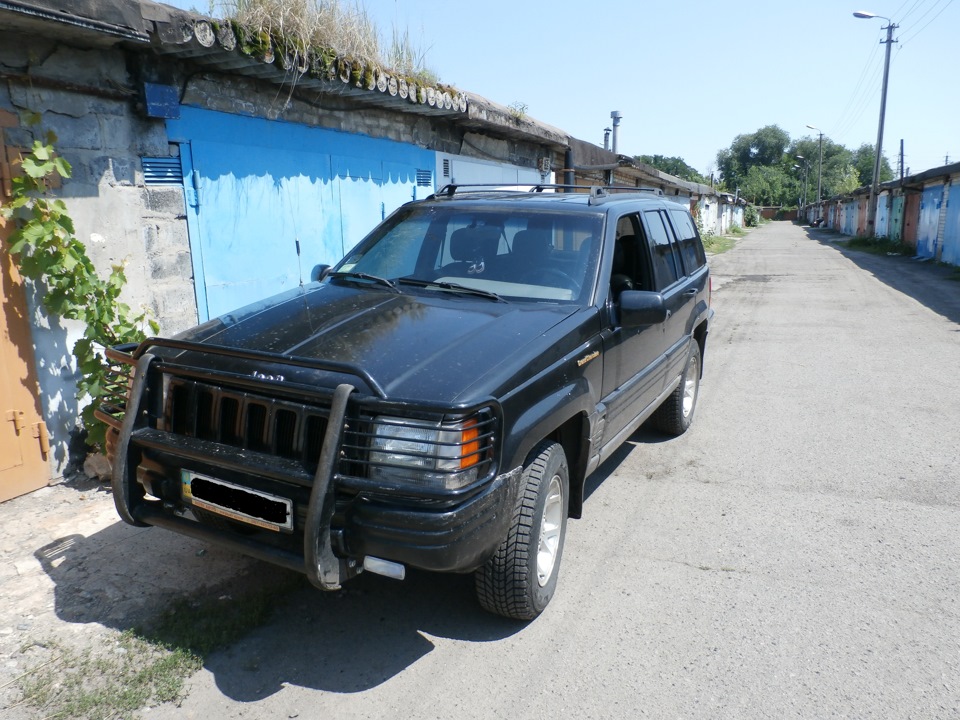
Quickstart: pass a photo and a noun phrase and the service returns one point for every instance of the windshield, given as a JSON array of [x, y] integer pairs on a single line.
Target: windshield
[[508, 252]]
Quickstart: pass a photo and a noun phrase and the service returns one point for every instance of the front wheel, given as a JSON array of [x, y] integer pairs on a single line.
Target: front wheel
[[521, 577]]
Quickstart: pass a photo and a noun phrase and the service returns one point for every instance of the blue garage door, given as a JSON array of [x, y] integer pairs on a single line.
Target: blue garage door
[[267, 201], [951, 228], [929, 222]]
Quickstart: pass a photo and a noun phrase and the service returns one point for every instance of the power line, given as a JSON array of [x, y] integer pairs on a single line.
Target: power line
[[859, 101], [911, 37], [870, 66], [910, 11]]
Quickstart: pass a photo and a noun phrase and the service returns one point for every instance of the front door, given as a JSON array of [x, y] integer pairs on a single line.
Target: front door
[[24, 448], [632, 357]]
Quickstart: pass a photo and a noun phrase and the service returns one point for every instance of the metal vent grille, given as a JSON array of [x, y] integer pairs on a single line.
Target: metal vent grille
[[424, 178], [446, 168], [244, 420], [162, 171]]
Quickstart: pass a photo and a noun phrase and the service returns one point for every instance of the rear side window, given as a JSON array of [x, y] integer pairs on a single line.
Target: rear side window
[[666, 261], [691, 249]]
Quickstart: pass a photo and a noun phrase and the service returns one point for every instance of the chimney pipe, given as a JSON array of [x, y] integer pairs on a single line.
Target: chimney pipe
[[615, 116]]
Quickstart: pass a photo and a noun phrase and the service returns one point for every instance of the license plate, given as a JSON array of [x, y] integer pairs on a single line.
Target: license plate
[[237, 503]]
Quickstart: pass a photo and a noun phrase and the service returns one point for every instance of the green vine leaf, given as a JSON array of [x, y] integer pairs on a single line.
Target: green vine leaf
[[47, 252], [34, 169], [62, 167]]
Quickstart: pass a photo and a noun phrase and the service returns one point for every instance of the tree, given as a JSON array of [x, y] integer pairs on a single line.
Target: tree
[[864, 158], [673, 165], [847, 180], [836, 158], [763, 165], [765, 147], [769, 185]]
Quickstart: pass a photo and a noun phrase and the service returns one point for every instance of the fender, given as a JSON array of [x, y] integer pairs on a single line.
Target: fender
[[539, 420]]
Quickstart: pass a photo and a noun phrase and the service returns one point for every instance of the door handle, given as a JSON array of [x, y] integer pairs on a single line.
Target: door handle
[[16, 417], [40, 433], [691, 293]]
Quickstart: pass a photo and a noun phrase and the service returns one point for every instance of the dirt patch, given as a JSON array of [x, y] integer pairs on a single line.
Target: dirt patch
[[84, 597]]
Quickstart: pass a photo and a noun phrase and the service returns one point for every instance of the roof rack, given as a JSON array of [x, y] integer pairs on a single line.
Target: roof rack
[[597, 193]]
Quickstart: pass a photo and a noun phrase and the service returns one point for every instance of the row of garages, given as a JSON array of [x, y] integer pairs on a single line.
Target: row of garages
[[220, 174], [916, 211]]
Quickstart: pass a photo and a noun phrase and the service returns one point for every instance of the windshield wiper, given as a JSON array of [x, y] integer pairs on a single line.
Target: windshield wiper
[[455, 287], [364, 276]]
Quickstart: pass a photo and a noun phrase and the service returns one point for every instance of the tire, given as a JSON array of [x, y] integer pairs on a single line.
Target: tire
[[521, 577], [675, 415]]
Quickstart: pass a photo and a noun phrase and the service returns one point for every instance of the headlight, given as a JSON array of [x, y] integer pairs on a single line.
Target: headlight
[[445, 456]]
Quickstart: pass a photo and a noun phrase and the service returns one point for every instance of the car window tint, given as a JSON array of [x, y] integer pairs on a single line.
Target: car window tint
[[691, 249], [666, 268]]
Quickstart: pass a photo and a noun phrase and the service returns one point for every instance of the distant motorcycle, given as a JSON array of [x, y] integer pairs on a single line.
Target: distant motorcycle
[[817, 223]]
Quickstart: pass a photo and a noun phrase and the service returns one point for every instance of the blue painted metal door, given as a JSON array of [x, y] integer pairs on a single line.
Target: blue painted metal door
[[850, 218], [267, 201], [258, 222], [930, 202], [896, 219], [883, 215], [951, 229]]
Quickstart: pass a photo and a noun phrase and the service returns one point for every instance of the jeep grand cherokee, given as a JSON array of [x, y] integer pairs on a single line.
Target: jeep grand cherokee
[[436, 400]]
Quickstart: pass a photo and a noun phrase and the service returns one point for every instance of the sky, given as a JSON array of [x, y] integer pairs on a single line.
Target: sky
[[688, 77]]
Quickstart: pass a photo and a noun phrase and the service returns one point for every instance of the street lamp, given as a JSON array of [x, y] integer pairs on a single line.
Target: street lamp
[[872, 201], [819, 165], [805, 168]]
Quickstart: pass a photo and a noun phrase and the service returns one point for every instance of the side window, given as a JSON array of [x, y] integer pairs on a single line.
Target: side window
[[666, 261], [629, 270], [690, 246]]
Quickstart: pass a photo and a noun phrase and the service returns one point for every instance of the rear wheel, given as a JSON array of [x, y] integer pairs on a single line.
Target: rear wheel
[[675, 415], [521, 577]]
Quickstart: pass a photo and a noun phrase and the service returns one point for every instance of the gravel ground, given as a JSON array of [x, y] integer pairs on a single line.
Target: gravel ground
[[794, 555]]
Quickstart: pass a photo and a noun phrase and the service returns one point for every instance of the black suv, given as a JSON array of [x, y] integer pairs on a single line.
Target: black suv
[[435, 400]]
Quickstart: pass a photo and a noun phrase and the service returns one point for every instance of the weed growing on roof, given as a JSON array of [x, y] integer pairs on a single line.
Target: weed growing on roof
[[299, 26]]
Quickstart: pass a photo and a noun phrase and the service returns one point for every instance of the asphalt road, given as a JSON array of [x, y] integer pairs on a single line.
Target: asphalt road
[[794, 555]]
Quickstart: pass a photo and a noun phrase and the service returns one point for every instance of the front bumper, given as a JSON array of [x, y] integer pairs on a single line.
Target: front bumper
[[333, 529], [456, 540]]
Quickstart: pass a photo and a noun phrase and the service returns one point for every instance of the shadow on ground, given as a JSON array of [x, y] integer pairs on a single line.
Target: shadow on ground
[[935, 286], [124, 578]]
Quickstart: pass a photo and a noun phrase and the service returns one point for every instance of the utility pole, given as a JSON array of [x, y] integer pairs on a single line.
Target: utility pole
[[819, 166], [872, 201]]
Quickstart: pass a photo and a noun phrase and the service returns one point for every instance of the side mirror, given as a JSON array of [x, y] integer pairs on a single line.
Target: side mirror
[[319, 272], [639, 307]]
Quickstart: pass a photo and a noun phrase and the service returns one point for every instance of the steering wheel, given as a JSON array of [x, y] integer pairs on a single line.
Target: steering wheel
[[550, 276]]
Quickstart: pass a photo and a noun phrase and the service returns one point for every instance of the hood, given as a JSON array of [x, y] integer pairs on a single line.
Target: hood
[[427, 346]]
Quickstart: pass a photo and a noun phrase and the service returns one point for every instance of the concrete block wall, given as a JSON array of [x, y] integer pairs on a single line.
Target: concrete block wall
[[89, 98], [115, 217]]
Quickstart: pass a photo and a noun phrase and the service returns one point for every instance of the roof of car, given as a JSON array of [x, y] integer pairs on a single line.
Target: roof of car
[[597, 199]]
